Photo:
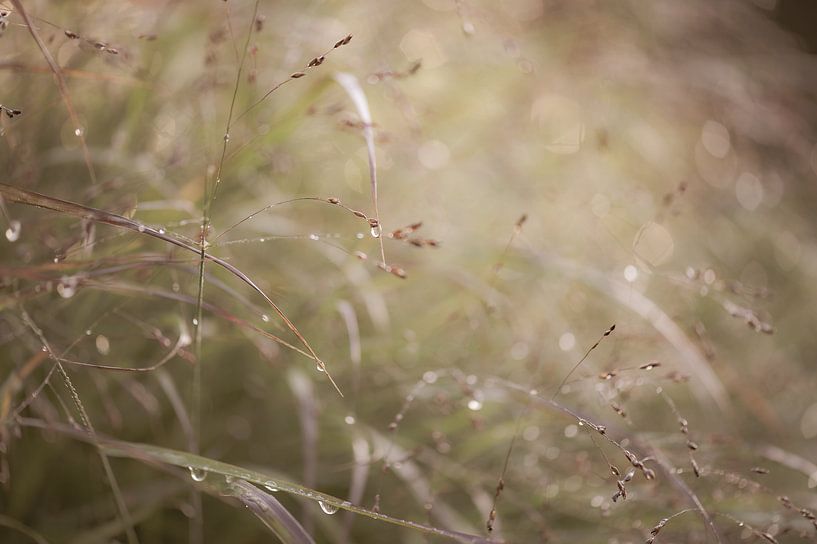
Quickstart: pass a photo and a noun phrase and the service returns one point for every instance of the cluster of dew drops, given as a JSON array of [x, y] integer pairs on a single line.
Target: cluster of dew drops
[[198, 474]]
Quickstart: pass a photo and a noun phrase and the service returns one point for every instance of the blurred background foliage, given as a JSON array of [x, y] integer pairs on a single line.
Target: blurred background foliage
[[663, 154]]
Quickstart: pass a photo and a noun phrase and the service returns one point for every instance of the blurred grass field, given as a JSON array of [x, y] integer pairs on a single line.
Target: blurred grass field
[[544, 170]]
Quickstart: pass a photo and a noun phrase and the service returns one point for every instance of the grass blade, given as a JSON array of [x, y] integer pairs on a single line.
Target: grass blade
[[271, 512], [22, 196]]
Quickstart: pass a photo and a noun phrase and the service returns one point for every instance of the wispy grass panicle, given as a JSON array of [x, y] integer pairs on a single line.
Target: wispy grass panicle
[[313, 63], [604, 335]]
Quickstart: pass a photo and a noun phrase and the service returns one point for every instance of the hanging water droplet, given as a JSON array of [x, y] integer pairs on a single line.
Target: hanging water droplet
[[314, 237], [350, 419], [375, 232], [320, 367], [13, 232], [197, 474], [195, 321], [265, 318], [328, 508], [65, 291], [271, 486], [78, 132], [67, 287], [103, 345], [87, 332], [474, 405]]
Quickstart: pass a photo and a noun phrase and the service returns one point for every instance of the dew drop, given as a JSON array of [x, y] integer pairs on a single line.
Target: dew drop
[[161, 231], [78, 132], [265, 318], [65, 291], [314, 237], [350, 419], [271, 486], [13, 232], [197, 474], [141, 228], [375, 232], [195, 322], [474, 405], [320, 367], [359, 235], [67, 287], [328, 508], [103, 345]]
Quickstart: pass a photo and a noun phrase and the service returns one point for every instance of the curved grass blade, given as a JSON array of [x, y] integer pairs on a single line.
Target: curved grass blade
[[156, 454], [22, 196], [271, 512], [358, 97], [187, 460]]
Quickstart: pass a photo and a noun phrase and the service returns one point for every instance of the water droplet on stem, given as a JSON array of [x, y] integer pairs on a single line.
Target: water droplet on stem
[[328, 508], [13, 232]]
